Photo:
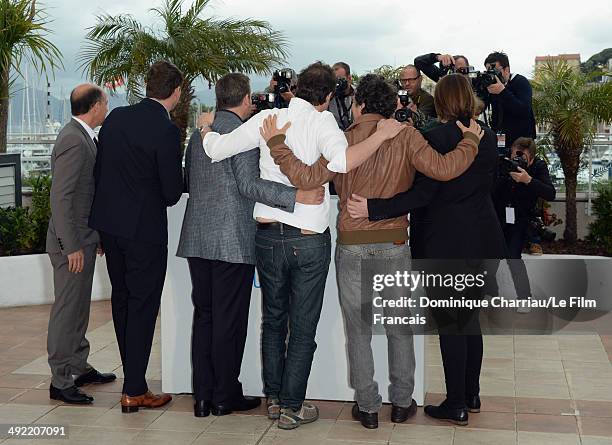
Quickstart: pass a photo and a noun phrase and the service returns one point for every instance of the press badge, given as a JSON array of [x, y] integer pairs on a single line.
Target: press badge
[[510, 215]]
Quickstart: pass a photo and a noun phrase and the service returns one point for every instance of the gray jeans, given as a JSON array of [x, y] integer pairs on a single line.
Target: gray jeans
[[390, 258]]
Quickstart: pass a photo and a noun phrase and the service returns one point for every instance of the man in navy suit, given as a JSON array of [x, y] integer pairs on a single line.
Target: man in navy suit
[[138, 175]]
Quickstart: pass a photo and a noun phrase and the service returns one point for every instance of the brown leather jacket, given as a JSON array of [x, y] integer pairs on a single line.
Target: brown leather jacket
[[387, 172]]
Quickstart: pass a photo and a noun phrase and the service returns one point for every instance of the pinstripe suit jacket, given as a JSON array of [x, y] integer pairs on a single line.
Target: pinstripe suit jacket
[[218, 223]]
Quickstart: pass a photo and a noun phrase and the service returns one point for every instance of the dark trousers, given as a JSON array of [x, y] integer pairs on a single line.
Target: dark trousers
[[137, 273], [221, 296], [461, 353], [293, 270], [516, 236]]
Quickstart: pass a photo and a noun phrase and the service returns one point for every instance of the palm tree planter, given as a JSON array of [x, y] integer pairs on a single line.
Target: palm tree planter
[[570, 106], [22, 36], [120, 49]]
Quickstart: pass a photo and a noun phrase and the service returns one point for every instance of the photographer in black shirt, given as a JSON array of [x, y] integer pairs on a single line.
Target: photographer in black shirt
[[342, 102], [445, 64], [510, 98]]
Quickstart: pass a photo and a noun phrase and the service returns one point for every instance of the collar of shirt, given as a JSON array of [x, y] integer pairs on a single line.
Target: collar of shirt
[[160, 104], [232, 113], [300, 104], [88, 129], [367, 117]]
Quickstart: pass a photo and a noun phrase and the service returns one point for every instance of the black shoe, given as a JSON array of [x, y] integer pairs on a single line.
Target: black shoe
[[70, 395], [221, 409], [246, 403], [368, 420], [473, 404], [94, 376], [201, 408], [458, 416], [400, 414]]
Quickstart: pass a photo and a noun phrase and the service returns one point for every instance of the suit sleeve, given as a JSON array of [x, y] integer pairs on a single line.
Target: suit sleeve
[[302, 176], [66, 171], [518, 101], [427, 64], [169, 157], [274, 194], [421, 194], [442, 167], [541, 184]]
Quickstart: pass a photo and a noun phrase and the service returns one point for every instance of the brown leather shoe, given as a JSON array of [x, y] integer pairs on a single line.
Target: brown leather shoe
[[147, 400]]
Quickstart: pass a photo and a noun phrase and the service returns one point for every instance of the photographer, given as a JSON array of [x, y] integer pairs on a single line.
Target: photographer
[[282, 84], [515, 196], [411, 80], [446, 62], [510, 97], [341, 104]]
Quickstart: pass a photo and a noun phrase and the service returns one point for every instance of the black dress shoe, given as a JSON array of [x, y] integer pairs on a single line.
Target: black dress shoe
[[458, 416], [246, 403], [201, 408], [94, 376], [70, 395], [400, 414], [368, 420], [220, 409], [473, 404]]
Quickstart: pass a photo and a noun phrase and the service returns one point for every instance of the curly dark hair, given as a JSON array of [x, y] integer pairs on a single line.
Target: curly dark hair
[[315, 82], [379, 96]]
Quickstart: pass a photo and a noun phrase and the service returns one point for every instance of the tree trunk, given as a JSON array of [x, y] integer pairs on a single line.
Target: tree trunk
[[180, 114], [570, 161], [4, 109]]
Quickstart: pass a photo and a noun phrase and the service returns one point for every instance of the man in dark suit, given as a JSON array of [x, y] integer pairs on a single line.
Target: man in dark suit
[[138, 175], [512, 112], [218, 240], [72, 247]]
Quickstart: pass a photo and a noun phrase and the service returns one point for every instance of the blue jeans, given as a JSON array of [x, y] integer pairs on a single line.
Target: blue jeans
[[292, 270]]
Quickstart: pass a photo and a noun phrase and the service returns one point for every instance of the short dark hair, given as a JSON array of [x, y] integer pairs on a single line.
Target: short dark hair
[[525, 145], [83, 101], [315, 82], [459, 56], [378, 95], [454, 98], [345, 66], [231, 89], [162, 79], [498, 56]]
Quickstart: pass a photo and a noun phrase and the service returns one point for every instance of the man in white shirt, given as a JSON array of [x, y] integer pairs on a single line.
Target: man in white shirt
[[294, 249]]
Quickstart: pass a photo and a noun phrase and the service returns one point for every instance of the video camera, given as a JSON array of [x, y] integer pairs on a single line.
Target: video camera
[[263, 101], [508, 165], [283, 80]]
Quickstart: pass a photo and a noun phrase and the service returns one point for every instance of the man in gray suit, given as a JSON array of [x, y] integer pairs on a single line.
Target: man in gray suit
[[72, 247], [218, 240]]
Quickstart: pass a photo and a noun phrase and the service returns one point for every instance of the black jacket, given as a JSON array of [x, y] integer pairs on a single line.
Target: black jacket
[[454, 219], [512, 112], [138, 173], [523, 197], [427, 64]]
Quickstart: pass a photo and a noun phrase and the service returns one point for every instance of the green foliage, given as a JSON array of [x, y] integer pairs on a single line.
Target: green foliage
[[24, 230], [596, 60], [390, 73], [600, 231]]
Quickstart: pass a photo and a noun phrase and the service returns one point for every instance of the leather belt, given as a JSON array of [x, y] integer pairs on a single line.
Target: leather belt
[[276, 226]]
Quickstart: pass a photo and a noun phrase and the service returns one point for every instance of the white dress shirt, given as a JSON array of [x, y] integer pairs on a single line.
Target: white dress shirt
[[312, 134], [88, 129]]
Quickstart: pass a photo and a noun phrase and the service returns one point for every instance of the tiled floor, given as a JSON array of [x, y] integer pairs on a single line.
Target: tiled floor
[[536, 390]]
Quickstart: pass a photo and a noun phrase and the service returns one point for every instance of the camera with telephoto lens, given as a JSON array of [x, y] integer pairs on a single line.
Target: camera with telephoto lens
[[341, 87], [452, 69], [482, 79], [405, 113], [283, 80], [262, 101], [508, 165], [537, 227]]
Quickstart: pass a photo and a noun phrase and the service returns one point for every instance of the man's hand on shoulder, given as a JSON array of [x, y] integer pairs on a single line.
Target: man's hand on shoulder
[[474, 129], [205, 121], [389, 128], [268, 130]]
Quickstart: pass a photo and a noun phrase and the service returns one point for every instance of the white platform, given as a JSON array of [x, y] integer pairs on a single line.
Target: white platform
[[329, 375]]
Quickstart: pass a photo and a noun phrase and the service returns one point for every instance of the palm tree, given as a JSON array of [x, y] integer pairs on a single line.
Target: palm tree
[[118, 48], [22, 38], [570, 105]]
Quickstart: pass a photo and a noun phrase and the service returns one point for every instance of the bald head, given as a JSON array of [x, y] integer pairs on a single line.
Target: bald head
[[410, 78], [89, 103]]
